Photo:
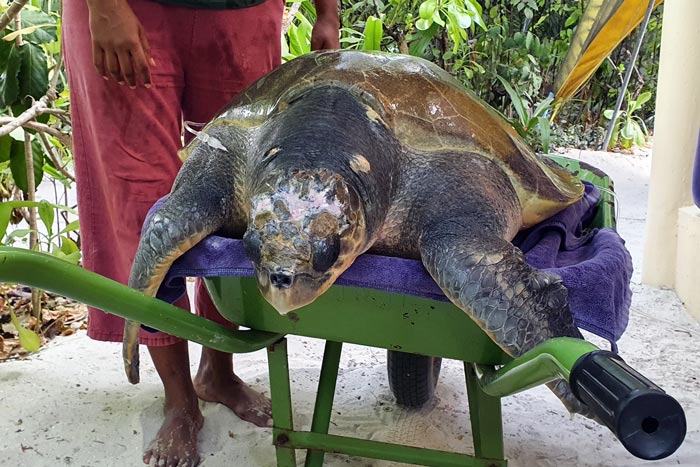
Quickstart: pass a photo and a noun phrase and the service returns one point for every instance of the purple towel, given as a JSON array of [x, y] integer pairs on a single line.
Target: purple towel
[[596, 267]]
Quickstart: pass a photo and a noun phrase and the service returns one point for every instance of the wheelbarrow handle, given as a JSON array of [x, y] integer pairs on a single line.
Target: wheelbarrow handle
[[648, 422]]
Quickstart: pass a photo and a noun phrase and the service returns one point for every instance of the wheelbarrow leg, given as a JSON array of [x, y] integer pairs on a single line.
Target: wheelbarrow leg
[[281, 403], [324, 398], [485, 415]]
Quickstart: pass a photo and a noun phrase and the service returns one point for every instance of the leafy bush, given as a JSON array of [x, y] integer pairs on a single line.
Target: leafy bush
[[629, 129], [35, 145]]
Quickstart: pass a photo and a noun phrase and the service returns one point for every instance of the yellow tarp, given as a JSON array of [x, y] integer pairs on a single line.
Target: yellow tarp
[[603, 25]]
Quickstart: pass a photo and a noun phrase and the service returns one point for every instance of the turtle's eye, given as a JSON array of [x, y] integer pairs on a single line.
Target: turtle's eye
[[325, 253], [252, 245]]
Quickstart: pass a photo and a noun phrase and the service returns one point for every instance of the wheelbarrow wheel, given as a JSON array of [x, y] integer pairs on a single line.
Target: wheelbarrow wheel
[[412, 378]]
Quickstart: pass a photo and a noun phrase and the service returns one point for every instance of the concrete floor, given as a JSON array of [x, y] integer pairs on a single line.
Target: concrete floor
[[70, 404]]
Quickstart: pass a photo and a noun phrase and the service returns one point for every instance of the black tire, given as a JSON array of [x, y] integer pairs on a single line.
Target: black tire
[[412, 378]]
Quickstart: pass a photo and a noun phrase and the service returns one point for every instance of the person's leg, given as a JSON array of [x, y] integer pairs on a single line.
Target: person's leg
[[176, 440], [233, 49], [125, 147], [216, 381]]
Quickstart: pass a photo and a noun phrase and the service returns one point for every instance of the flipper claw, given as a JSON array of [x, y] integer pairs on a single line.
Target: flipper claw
[[130, 350]]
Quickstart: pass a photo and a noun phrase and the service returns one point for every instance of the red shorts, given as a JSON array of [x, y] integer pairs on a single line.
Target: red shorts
[[126, 141]]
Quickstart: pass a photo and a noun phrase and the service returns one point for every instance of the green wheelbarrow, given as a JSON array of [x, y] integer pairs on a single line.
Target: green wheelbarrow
[[647, 421]]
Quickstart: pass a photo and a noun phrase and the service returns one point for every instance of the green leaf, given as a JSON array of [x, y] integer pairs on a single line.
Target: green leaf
[[71, 227], [27, 339], [18, 165], [10, 82], [373, 34], [516, 100], [418, 46], [639, 137], [69, 251], [437, 18], [5, 48], [608, 113], [423, 24], [643, 98], [68, 246], [5, 213], [629, 130], [47, 216], [45, 24], [17, 234], [614, 136], [56, 175], [474, 10], [26, 31], [427, 9], [543, 107], [545, 133], [6, 208], [5, 148], [461, 17], [71, 258], [34, 72]]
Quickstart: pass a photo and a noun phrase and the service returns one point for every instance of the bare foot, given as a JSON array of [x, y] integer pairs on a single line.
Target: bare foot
[[231, 391], [175, 445]]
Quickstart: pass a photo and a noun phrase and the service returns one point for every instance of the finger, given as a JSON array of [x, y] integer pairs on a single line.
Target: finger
[[113, 70], [127, 71], [146, 48], [139, 61], [98, 59]]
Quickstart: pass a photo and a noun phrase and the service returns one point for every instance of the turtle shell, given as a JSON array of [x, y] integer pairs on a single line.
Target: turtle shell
[[428, 109]]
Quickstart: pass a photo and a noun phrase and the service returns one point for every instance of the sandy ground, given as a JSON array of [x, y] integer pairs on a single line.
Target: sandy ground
[[71, 405]]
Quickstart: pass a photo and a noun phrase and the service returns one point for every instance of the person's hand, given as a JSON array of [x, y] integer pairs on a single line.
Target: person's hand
[[120, 49], [325, 34]]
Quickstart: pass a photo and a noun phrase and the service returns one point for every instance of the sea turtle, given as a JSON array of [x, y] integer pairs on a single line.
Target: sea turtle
[[337, 153]]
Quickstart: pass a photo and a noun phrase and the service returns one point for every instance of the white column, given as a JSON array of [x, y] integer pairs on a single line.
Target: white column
[[675, 140]]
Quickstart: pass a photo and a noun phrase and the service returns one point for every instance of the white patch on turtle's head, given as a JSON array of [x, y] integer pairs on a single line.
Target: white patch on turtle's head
[[298, 205], [305, 228]]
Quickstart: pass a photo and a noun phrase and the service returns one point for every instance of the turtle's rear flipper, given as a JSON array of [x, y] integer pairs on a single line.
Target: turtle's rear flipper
[[201, 203]]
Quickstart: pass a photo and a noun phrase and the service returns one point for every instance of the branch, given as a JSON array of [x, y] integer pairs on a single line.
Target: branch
[[54, 158], [289, 16], [31, 113], [31, 196], [64, 138], [54, 78], [11, 12], [17, 196]]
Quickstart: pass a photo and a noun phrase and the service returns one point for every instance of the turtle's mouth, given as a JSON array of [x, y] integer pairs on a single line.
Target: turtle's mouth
[[287, 291]]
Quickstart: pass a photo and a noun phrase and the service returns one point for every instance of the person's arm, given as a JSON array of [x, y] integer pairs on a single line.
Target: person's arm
[[120, 49], [325, 34]]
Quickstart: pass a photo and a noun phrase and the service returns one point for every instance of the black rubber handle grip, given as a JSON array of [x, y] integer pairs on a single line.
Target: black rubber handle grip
[[647, 421]]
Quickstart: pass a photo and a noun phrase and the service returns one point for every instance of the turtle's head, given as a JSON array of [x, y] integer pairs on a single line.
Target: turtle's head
[[305, 228]]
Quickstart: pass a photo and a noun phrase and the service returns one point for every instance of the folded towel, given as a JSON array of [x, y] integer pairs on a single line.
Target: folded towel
[[595, 266]]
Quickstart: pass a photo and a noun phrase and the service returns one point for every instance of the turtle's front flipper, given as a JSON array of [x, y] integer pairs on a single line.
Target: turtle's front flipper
[[201, 202], [465, 246], [486, 276], [516, 305]]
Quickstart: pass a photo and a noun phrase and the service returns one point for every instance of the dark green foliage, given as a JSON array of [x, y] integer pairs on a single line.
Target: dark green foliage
[[519, 42]]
